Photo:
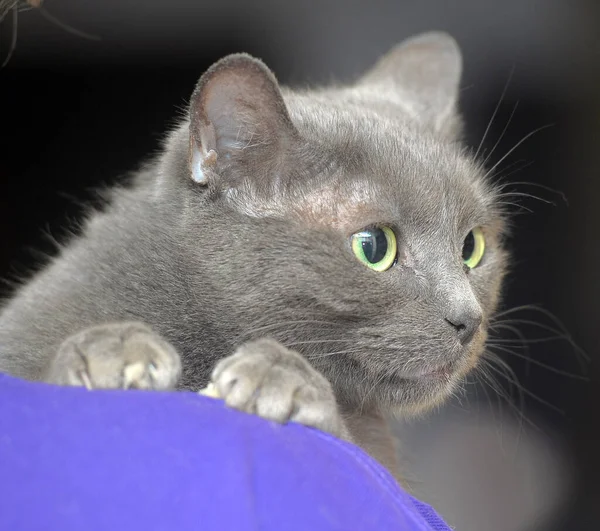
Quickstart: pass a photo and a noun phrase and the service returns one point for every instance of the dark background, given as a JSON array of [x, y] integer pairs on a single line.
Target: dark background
[[78, 112]]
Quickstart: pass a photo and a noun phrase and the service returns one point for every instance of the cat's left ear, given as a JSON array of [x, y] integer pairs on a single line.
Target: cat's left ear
[[238, 120], [422, 75]]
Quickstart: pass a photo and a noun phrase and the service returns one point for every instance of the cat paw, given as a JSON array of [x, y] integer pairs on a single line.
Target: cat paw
[[125, 355], [266, 379]]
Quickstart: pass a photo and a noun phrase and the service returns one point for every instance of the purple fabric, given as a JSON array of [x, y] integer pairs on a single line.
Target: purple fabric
[[71, 459]]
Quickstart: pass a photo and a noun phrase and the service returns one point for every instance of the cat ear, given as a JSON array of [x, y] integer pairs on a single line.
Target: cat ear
[[237, 116], [422, 75]]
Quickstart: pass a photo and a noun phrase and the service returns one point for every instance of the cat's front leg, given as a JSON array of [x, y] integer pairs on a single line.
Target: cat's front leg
[[266, 379], [127, 355]]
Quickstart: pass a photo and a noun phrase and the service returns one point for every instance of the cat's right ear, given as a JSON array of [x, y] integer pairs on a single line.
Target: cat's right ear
[[422, 75], [237, 119]]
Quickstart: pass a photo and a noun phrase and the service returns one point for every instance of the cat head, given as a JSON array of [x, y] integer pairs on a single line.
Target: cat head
[[347, 222]]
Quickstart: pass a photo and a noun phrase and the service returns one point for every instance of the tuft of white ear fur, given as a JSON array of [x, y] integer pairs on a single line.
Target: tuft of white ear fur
[[421, 75]]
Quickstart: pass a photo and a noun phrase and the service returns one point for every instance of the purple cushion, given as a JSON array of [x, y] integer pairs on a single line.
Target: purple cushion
[[71, 459]]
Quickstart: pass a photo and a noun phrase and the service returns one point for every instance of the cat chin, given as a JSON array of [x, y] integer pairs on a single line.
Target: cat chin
[[416, 395], [440, 398], [431, 389]]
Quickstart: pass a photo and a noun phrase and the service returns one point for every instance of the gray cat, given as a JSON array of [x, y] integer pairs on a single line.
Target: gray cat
[[329, 256]]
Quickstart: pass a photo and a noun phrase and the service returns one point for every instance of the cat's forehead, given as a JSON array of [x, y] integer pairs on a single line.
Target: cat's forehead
[[382, 165], [344, 204], [361, 169], [362, 203], [395, 180]]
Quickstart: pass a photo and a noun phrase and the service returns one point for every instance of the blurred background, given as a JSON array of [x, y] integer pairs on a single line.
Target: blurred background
[[91, 88]]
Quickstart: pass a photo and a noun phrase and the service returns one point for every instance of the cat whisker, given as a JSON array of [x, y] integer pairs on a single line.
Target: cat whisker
[[485, 371], [511, 379], [524, 342], [406, 336], [509, 374], [559, 332], [537, 185], [488, 379], [538, 363], [523, 307], [502, 174], [317, 342], [13, 37], [320, 355], [66, 27], [516, 205], [500, 186], [520, 409], [502, 133], [372, 388], [531, 196], [534, 308], [508, 153], [521, 338], [460, 393], [504, 325], [496, 109], [279, 324]]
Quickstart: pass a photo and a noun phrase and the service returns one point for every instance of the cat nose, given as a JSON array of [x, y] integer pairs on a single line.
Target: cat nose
[[465, 321]]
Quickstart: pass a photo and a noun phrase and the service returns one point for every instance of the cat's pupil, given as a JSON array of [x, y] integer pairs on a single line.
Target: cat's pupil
[[468, 246], [374, 245]]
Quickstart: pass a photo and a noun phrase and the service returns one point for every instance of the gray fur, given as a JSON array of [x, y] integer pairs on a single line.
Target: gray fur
[[256, 243]]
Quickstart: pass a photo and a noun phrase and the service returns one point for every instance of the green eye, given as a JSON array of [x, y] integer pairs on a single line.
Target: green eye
[[473, 248], [375, 247]]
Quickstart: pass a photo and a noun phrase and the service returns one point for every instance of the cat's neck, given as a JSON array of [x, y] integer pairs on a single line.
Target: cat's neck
[[371, 431]]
